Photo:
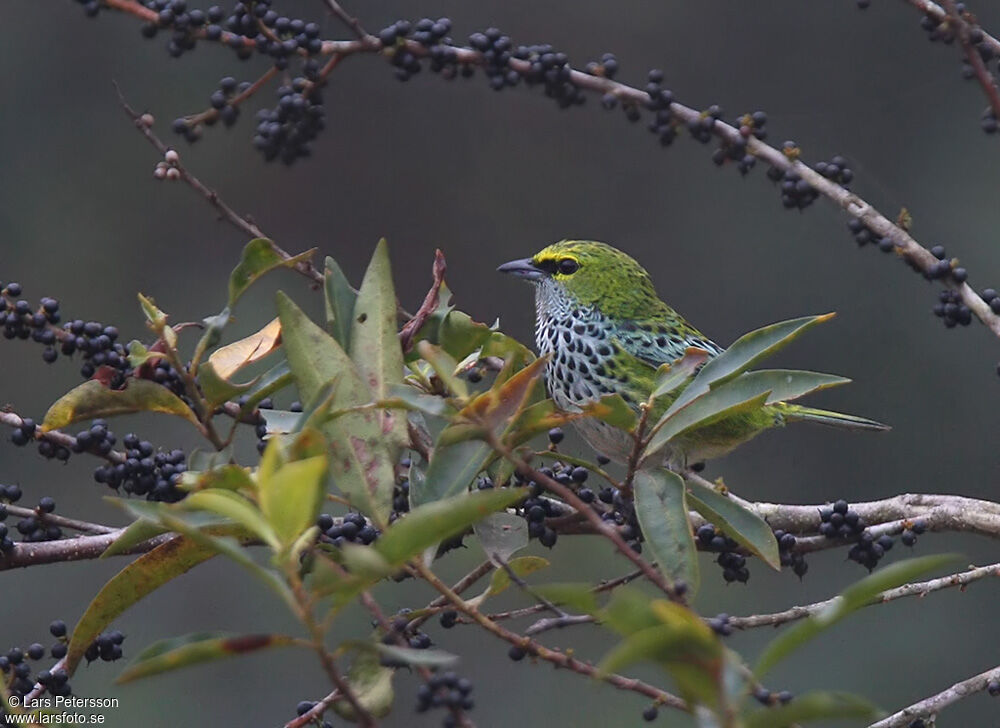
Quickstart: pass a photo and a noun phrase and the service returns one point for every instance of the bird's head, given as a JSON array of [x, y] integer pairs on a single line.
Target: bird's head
[[574, 273]]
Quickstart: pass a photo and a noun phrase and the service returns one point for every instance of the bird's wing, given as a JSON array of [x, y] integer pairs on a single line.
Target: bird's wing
[[659, 343]]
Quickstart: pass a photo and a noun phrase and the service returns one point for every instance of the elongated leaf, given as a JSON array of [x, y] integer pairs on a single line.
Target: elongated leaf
[[429, 524], [340, 299], [502, 534], [229, 359], [683, 645], [814, 706], [497, 406], [406, 396], [580, 597], [375, 346], [259, 257], [193, 649], [850, 600], [614, 410], [450, 471], [744, 353], [671, 376], [290, 498], [740, 524], [273, 380], [235, 507], [216, 389], [360, 464], [445, 366], [522, 566], [787, 384], [718, 404], [661, 507], [141, 577], [92, 400], [134, 534], [371, 683]]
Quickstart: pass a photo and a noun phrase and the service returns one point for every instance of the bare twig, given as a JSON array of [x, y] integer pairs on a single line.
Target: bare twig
[[556, 657], [523, 586], [349, 20], [935, 703], [227, 213], [920, 589], [928, 7], [430, 304], [61, 521], [567, 620]]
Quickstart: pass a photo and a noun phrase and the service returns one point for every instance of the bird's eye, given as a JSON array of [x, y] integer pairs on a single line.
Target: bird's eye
[[568, 266]]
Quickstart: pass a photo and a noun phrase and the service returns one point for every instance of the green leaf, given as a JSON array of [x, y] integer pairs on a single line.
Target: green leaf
[[259, 257], [613, 409], [741, 524], [371, 684], [451, 469], [856, 596], [786, 384], [715, 405], [192, 649], [744, 353], [214, 326], [445, 366], [682, 644], [339, 297], [360, 464], [522, 566], [273, 380], [92, 400], [814, 706], [216, 389], [141, 577], [224, 477], [134, 534], [429, 524], [375, 346], [671, 376], [235, 507], [661, 507], [290, 498], [502, 534], [411, 398]]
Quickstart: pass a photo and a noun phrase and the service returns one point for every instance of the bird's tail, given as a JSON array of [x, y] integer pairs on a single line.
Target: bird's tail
[[795, 412]]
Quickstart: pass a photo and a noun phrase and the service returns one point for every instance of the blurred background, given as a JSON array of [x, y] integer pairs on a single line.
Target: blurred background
[[490, 177]]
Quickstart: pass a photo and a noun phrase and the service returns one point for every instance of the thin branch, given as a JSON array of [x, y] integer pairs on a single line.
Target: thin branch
[[311, 716], [27, 553], [56, 437], [940, 14], [227, 213], [349, 20], [523, 586], [920, 589], [935, 703], [460, 586], [983, 76], [556, 657], [568, 620], [61, 521]]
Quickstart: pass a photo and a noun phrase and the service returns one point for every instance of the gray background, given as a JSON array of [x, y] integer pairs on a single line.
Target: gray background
[[492, 177]]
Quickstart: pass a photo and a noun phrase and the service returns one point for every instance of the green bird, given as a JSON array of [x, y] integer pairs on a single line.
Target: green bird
[[606, 331]]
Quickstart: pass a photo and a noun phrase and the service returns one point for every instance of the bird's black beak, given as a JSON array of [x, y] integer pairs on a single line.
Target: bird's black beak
[[523, 268]]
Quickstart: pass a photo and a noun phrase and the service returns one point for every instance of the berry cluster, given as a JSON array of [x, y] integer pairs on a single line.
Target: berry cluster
[[720, 624], [909, 534], [145, 471], [107, 647], [287, 131], [402, 632], [14, 664], [305, 706], [839, 521], [445, 690], [733, 563], [766, 697], [34, 527], [796, 193], [750, 125], [868, 551], [789, 556], [352, 528]]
